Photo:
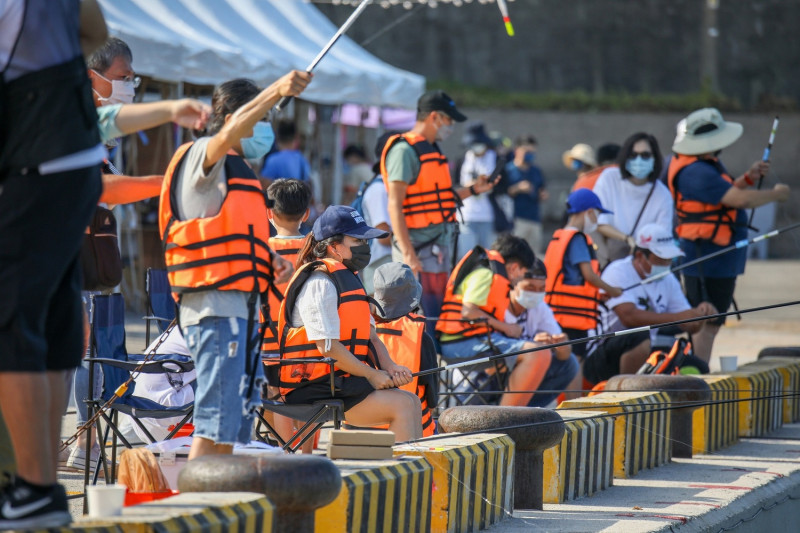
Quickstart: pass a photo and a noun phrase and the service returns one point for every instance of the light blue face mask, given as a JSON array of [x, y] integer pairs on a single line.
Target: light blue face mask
[[260, 143], [577, 165], [661, 270], [640, 168]]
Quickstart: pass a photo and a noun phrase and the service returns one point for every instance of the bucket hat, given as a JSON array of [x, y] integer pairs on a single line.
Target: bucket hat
[[704, 131]]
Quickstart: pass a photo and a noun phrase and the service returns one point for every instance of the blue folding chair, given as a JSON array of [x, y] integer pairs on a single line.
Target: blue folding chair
[[160, 304], [108, 350]]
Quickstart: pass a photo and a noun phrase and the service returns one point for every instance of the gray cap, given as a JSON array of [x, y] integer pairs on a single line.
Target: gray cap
[[397, 290]]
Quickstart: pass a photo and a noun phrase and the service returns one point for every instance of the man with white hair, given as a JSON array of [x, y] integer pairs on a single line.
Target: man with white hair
[[654, 302], [711, 208]]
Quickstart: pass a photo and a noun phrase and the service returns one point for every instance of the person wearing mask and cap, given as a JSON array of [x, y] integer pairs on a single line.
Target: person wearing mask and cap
[[422, 201], [326, 313], [710, 206], [527, 187], [477, 215], [632, 191], [528, 309], [215, 226], [402, 330], [573, 275], [655, 302], [579, 159]]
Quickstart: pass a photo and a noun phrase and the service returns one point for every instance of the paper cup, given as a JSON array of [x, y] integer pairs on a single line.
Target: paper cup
[[105, 500], [728, 363]]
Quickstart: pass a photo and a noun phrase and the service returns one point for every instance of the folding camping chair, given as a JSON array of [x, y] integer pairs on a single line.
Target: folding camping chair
[[464, 386], [315, 415], [108, 350], [160, 304]]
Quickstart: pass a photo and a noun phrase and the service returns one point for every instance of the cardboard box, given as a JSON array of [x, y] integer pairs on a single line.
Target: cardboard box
[[362, 438], [338, 451]]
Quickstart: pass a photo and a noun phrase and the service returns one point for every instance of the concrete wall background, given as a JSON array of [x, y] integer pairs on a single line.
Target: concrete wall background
[[654, 46]]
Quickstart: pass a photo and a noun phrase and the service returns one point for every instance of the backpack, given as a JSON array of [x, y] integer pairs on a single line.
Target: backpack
[[358, 202], [101, 262]]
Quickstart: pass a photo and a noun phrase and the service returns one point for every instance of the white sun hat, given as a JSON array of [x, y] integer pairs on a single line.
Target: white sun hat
[[704, 131]]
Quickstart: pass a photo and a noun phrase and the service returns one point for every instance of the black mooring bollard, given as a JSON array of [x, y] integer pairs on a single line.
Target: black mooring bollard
[[681, 389], [530, 442], [297, 485]]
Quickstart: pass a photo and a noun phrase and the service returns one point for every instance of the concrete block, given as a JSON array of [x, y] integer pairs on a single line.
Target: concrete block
[[789, 368], [581, 464], [716, 425], [761, 410]]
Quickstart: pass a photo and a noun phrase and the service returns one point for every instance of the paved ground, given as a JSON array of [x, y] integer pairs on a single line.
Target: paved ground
[[765, 283]]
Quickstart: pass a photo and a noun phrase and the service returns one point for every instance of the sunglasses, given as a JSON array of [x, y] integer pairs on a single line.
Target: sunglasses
[[643, 155]]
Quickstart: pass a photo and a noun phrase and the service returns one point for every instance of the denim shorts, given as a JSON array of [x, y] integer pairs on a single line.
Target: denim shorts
[[473, 346], [221, 411]]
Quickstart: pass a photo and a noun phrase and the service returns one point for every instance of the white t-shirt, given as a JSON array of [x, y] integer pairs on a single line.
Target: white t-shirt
[[660, 296], [375, 205], [626, 200], [536, 320], [477, 208]]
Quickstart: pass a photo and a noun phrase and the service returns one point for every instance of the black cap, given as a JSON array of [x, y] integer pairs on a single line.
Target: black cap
[[380, 144], [439, 101]]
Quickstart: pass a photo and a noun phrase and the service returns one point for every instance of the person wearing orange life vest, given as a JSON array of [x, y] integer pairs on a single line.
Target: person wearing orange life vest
[[214, 225], [288, 201], [573, 279], [422, 202], [711, 206], [479, 288], [402, 330], [325, 312]]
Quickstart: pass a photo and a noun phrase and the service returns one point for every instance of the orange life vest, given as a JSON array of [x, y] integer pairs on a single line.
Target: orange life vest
[[354, 329], [403, 340], [588, 179], [574, 306], [450, 322], [286, 249], [699, 220], [227, 251], [430, 198]]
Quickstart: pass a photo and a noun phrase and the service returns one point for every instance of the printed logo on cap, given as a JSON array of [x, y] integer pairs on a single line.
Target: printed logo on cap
[[357, 217]]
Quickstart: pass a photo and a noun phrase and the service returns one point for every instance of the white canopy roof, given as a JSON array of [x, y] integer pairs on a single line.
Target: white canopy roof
[[207, 42]]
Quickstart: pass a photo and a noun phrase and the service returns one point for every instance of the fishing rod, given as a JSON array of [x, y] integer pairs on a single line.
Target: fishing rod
[[738, 244], [765, 158], [341, 31], [601, 336]]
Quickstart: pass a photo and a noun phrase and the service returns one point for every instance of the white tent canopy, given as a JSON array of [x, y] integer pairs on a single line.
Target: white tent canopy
[[206, 42]]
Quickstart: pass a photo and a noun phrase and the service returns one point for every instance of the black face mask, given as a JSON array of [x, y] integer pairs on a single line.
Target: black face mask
[[360, 259]]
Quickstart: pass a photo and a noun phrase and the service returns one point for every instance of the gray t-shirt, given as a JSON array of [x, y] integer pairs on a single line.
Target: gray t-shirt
[[402, 164], [199, 195]]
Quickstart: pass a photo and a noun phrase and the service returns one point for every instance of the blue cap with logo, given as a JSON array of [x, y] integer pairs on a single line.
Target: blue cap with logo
[[582, 200], [342, 219]]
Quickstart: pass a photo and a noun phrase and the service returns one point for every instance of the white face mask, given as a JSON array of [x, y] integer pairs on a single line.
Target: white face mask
[[588, 225], [122, 92], [529, 299], [658, 269]]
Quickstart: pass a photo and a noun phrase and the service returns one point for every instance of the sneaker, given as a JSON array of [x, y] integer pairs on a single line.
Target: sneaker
[[24, 507], [63, 456], [77, 458]]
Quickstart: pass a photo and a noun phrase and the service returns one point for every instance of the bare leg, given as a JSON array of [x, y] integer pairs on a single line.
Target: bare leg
[[703, 340], [32, 405], [202, 446], [528, 374], [576, 385], [632, 360], [398, 408]]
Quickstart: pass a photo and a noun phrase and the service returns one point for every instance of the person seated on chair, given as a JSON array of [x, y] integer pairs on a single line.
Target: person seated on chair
[[214, 225], [397, 298], [478, 288], [288, 201], [528, 309], [641, 304], [325, 313]]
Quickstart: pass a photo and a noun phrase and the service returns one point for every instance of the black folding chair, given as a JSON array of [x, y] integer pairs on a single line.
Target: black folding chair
[[315, 415], [108, 350], [160, 304]]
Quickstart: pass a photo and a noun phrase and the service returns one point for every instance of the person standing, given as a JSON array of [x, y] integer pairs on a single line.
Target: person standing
[[50, 155], [288, 162], [477, 215], [527, 187], [710, 206], [214, 224], [422, 201]]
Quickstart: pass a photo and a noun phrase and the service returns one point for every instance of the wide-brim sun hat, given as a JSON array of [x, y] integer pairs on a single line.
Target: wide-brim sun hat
[[580, 152], [705, 131]]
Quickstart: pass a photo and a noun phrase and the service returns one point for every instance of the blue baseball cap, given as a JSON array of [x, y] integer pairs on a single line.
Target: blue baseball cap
[[583, 200], [342, 219]]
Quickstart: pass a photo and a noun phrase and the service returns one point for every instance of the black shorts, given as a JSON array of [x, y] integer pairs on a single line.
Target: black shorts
[[42, 223], [351, 390], [718, 291], [603, 362], [579, 348]]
